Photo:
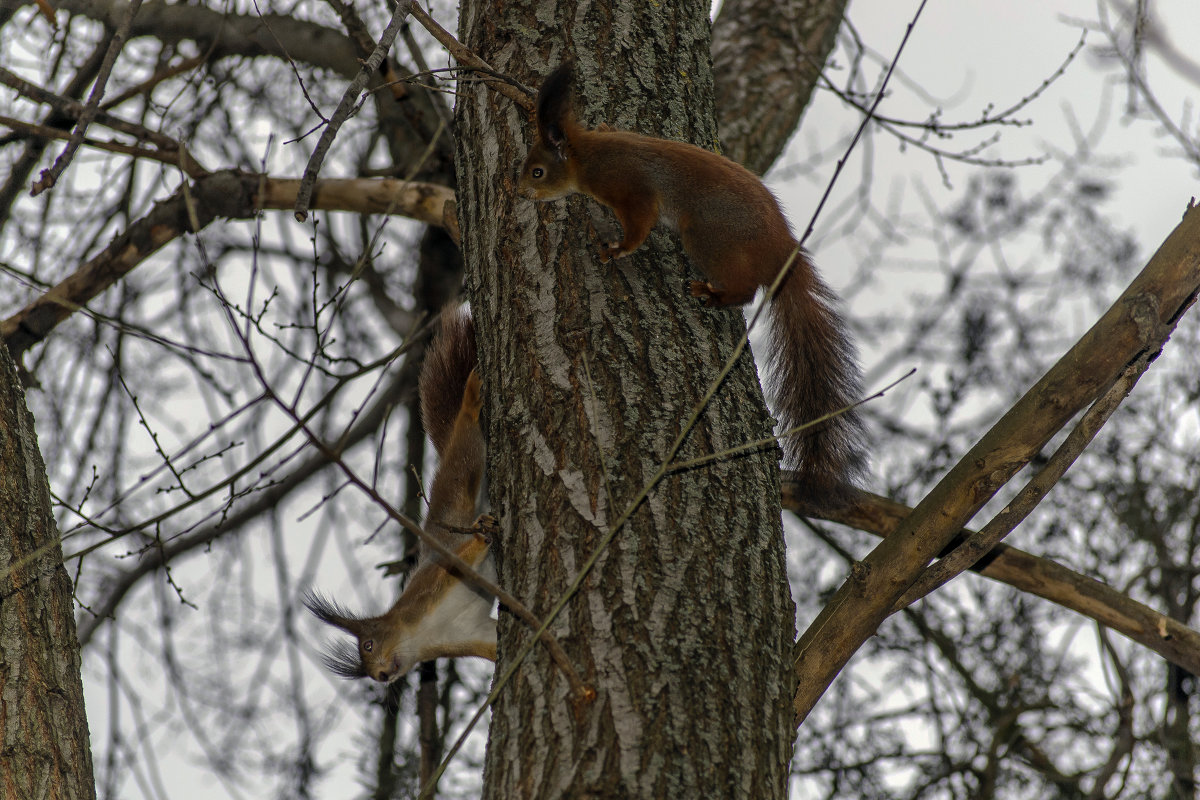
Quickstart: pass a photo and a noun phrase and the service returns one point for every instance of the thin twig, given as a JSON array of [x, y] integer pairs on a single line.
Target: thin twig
[[773, 441], [146, 86], [171, 157], [74, 109], [347, 105], [50, 176], [865, 121], [498, 82]]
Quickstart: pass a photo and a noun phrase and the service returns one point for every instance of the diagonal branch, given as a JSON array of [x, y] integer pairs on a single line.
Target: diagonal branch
[[347, 105], [975, 547], [1028, 573], [1138, 323], [496, 81], [172, 157], [50, 176], [75, 110]]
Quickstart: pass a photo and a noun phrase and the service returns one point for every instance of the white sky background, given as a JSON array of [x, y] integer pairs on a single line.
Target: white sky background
[[968, 54], [963, 56]]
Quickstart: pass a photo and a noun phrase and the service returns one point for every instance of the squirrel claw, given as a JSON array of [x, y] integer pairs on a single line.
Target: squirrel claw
[[486, 526], [610, 251]]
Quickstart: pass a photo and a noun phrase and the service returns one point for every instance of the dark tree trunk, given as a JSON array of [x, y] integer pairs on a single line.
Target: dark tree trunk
[[589, 372], [46, 753]]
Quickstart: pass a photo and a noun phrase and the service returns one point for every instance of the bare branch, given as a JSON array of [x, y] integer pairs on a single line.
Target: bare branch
[[49, 177], [74, 109], [467, 57], [170, 157], [1139, 322], [1032, 574], [231, 194], [966, 554], [346, 106]]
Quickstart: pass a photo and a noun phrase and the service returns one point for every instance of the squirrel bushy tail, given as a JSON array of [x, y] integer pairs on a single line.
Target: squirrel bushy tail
[[815, 372], [450, 405], [448, 361]]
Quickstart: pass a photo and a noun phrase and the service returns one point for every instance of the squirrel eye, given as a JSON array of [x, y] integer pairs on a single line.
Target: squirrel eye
[[369, 645], [538, 172]]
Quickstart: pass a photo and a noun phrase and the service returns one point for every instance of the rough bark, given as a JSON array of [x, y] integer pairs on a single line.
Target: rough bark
[[46, 752], [589, 371], [767, 56]]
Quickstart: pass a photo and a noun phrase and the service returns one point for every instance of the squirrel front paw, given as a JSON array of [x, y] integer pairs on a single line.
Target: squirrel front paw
[[611, 251], [704, 291]]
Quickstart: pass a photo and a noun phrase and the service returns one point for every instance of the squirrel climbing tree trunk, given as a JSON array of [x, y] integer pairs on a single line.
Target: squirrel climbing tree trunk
[[590, 372], [45, 753]]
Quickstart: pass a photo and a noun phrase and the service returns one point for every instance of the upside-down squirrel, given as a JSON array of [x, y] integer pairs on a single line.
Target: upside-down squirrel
[[438, 614]]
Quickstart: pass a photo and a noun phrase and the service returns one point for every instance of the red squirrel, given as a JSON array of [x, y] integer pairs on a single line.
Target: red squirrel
[[438, 614], [733, 230]]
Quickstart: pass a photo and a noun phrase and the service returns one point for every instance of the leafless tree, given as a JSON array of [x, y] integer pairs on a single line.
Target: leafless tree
[[206, 369]]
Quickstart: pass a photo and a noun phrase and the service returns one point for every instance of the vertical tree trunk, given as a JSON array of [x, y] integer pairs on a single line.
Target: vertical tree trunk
[[1177, 741], [589, 372], [46, 752]]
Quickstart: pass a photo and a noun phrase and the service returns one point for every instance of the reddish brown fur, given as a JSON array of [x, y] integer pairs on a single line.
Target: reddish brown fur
[[449, 360], [734, 231], [455, 489], [437, 615]]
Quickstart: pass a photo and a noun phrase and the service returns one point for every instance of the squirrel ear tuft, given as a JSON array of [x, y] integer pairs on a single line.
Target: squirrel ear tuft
[[553, 107], [331, 612], [555, 140]]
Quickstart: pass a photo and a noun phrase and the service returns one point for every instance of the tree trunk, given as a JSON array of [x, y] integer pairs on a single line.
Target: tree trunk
[[590, 370], [46, 753]]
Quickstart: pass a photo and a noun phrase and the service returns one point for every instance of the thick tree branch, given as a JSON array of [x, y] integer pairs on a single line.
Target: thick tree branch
[[223, 34], [767, 57], [230, 194], [1038, 576], [965, 555], [1139, 322]]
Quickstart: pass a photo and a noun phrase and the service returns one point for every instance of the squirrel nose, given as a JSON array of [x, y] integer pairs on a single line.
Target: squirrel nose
[[381, 676]]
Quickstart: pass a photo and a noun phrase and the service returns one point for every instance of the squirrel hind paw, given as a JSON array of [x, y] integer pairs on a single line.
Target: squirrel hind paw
[[714, 297], [472, 399], [486, 526]]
